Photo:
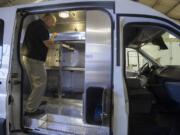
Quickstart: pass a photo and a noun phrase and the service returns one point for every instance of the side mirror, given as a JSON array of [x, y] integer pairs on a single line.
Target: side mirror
[[1, 40]]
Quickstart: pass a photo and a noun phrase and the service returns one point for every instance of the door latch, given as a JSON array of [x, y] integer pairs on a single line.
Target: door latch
[[10, 99]]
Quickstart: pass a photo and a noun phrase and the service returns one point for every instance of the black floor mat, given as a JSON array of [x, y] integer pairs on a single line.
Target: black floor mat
[[146, 125]]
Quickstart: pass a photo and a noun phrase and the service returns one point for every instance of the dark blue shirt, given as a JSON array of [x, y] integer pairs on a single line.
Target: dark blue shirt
[[36, 33]]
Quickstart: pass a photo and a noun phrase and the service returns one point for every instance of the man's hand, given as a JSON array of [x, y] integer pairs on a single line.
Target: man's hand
[[54, 35], [50, 43]]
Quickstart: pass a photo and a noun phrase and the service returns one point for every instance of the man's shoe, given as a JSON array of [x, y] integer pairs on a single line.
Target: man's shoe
[[37, 112], [43, 103]]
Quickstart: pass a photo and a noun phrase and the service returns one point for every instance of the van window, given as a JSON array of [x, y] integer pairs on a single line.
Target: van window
[[134, 60], [168, 56], [1, 39]]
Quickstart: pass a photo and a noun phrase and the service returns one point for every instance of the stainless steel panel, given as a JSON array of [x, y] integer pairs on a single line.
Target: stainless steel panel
[[58, 124], [74, 69], [66, 107], [52, 88], [73, 81], [97, 54], [61, 117], [73, 62], [62, 106], [70, 36], [52, 67], [74, 57], [98, 50], [75, 22], [53, 56]]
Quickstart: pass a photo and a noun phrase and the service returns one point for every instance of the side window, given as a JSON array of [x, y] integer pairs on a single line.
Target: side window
[[134, 60], [1, 40], [168, 55]]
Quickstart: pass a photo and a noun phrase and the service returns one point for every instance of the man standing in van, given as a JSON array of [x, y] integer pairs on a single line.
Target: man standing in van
[[37, 42]]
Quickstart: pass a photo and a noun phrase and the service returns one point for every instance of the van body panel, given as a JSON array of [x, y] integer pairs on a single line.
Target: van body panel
[[8, 15], [120, 98], [122, 7], [9, 20], [120, 102], [131, 7], [149, 20], [58, 2]]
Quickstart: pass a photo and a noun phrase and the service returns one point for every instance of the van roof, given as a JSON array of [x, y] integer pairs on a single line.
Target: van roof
[[127, 6], [121, 6]]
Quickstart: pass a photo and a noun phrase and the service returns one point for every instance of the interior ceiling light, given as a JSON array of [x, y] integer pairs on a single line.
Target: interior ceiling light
[[64, 14]]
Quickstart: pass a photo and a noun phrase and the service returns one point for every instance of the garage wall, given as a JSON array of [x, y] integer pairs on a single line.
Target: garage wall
[[18, 2]]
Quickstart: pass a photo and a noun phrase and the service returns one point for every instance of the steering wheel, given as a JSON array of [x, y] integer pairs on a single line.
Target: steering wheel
[[144, 69]]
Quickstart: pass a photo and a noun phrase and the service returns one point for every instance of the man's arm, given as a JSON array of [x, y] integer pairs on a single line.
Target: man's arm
[[50, 43]]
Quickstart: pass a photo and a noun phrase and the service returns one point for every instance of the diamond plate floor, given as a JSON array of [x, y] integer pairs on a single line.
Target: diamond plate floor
[[63, 117], [64, 124]]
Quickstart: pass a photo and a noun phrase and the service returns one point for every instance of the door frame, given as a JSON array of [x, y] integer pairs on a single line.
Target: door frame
[[107, 7], [139, 19]]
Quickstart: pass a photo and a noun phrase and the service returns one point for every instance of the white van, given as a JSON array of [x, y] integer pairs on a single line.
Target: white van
[[115, 70]]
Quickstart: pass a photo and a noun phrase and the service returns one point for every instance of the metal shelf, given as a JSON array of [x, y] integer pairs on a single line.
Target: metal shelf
[[68, 47], [74, 42], [74, 69], [51, 68], [70, 36]]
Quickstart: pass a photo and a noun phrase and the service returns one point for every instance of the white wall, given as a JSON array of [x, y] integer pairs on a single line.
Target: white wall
[[165, 57]]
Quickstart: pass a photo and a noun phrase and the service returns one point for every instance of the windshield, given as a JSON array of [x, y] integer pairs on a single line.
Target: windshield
[[168, 56]]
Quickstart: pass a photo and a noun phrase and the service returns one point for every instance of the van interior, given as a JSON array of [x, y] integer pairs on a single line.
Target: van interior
[[152, 70], [78, 75]]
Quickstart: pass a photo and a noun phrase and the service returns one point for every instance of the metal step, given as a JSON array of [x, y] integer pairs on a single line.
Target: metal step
[[59, 124]]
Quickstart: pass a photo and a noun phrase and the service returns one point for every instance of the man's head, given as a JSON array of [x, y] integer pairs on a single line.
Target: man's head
[[49, 20]]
